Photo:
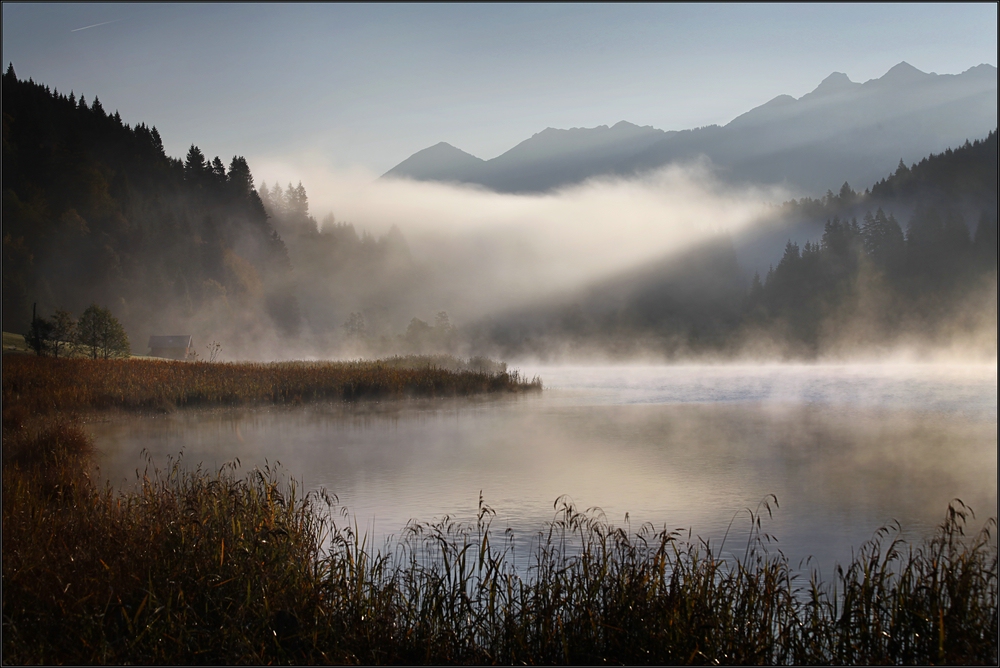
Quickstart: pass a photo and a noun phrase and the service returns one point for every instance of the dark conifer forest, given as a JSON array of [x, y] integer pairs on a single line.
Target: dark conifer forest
[[929, 275], [95, 212]]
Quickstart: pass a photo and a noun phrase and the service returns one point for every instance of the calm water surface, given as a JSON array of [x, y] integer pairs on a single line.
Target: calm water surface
[[845, 449]]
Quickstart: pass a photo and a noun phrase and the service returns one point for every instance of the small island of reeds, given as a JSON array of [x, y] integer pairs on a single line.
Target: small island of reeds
[[203, 567], [45, 385]]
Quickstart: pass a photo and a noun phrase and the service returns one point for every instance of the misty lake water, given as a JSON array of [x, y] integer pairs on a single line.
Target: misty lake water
[[845, 449]]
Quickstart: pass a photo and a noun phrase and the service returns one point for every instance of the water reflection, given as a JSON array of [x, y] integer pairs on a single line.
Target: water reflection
[[844, 449]]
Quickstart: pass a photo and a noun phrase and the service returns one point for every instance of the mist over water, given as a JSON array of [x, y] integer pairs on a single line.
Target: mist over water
[[845, 449], [952, 389]]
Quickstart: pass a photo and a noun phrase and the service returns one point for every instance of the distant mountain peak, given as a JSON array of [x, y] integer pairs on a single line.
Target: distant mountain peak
[[443, 147], [903, 73], [836, 81], [983, 69], [445, 151], [442, 161], [903, 66]]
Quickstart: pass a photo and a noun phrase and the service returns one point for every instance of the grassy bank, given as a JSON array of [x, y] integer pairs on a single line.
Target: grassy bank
[[41, 385], [200, 567]]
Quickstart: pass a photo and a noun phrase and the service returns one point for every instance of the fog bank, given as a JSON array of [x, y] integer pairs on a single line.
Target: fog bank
[[491, 251]]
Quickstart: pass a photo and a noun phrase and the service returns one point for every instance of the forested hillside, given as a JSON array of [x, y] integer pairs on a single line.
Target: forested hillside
[[352, 285], [964, 178], [911, 262], [95, 211]]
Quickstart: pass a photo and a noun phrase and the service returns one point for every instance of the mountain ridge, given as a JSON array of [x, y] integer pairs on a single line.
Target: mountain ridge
[[841, 130]]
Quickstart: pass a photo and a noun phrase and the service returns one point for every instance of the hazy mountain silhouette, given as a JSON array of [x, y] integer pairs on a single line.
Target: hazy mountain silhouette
[[554, 157], [548, 159], [841, 131], [441, 162]]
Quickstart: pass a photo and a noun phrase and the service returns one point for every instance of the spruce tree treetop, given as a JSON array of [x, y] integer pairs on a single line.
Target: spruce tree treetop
[[194, 165]]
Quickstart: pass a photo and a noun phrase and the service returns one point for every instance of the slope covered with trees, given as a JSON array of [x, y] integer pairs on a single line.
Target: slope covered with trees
[[353, 286], [912, 261], [95, 211]]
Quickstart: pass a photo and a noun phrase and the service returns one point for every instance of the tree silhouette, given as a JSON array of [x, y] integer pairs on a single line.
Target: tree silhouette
[[195, 166], [39, 334], [101, 332], [883, 239], [63, 331]]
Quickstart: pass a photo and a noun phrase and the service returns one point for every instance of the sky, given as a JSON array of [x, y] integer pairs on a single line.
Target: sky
[[364, 86]]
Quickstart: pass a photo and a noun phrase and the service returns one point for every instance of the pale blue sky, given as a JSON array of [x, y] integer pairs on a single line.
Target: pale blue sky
[[368, 85]]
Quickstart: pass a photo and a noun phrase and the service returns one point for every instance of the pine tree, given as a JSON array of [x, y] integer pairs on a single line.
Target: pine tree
[[157, 142], [195, 166], [847, 195], [277, 200], [883, 239], [240, 179], [218, 171]]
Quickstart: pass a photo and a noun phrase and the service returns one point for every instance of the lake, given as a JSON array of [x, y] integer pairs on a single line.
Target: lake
[[844, 448]]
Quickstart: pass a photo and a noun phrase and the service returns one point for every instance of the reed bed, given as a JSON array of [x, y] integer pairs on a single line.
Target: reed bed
[[199, 567], [41, 385]]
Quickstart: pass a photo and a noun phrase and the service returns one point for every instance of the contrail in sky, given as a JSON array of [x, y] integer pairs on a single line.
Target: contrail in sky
[[95, 25]]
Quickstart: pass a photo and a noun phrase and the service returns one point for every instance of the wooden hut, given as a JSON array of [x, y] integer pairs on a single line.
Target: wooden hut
[[176, 347]]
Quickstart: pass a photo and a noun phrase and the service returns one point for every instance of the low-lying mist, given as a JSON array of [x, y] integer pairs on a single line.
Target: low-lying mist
[[490, 251], [479, 256], [613, 269]]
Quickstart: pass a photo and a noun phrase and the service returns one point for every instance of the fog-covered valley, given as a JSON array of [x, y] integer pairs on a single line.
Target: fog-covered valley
[[674, 263]]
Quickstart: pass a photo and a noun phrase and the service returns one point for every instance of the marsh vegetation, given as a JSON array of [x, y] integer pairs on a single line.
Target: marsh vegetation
[[45, 385], [217, 567], [233, 566]]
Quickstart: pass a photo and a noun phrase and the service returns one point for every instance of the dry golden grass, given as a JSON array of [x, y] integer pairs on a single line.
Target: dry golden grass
[[43, 385]]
